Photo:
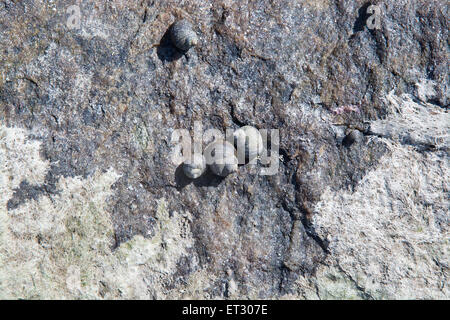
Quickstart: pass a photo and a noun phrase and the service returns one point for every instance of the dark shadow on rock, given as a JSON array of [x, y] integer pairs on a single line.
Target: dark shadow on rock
[[361, 21], [166, 50], [353, 137], [180, 178], [208, 179]]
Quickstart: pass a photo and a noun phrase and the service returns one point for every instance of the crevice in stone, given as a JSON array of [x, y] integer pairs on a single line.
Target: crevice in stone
[[311, 232], [323, 244], [234, 118]]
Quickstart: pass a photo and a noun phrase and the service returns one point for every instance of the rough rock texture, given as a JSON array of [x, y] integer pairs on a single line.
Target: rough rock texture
[[91, 205]]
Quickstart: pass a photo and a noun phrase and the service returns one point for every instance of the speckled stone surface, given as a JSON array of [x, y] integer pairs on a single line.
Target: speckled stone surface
[[94, 105]]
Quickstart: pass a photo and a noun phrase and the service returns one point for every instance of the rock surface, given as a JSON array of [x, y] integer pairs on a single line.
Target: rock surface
[[92, 207]]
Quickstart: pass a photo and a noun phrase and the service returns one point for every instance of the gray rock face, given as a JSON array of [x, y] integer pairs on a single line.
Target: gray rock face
[[90, 98]]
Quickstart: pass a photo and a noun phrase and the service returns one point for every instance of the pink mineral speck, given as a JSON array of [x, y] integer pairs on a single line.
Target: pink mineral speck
[[345, 109]]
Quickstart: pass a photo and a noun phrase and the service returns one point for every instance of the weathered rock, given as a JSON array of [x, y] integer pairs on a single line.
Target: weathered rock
[[88, 105]]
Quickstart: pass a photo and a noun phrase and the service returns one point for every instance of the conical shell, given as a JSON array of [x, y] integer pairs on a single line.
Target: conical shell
[[183, 36], [221, 158]]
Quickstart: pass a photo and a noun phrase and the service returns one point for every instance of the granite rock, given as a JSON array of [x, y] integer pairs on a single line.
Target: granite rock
[[92, 205]]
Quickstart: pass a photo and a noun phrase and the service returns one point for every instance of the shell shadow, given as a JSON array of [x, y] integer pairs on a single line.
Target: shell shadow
[[166, 51], [207, 179], [180, 178], [361, 21]]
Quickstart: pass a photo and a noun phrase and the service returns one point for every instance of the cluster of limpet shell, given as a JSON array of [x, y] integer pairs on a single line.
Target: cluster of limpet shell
[[221, 157]]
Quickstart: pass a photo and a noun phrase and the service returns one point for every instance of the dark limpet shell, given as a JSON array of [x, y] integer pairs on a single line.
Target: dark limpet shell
[[183, 36], [221, 158]]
